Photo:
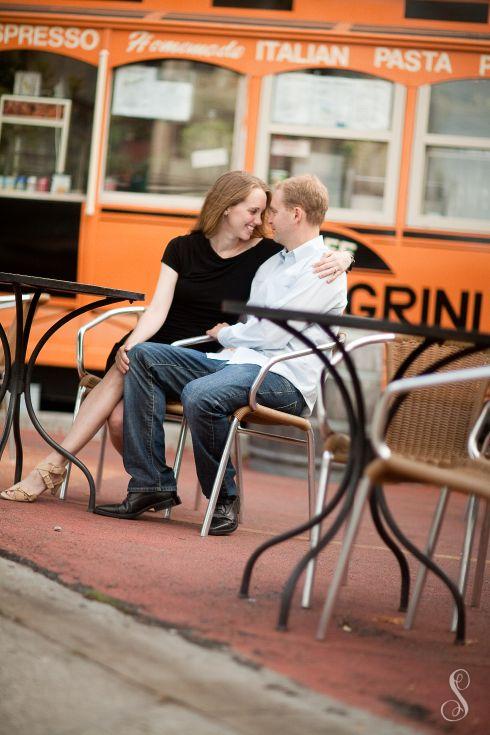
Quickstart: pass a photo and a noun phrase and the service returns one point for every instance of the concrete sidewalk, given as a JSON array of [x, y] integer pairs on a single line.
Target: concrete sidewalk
[[70, 666]]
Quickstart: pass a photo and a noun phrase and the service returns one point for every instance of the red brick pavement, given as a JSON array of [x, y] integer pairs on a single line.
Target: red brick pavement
[[163, 569]]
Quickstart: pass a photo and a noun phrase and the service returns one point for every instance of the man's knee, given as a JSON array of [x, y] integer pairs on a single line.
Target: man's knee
[[197, 398]]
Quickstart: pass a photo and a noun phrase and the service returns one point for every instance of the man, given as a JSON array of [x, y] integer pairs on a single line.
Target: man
[[212, 386]]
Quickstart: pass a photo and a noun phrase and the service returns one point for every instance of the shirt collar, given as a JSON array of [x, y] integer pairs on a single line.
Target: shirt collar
[[302, 251]]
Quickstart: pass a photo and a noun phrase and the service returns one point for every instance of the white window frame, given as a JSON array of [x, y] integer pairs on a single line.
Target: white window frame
[[421, 141], [393, 138], [173, 202]]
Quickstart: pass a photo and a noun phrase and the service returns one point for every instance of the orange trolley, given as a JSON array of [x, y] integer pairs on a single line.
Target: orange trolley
[[116, 116]]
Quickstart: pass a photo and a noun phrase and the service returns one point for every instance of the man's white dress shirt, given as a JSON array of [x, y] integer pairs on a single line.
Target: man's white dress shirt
[[286, 281]]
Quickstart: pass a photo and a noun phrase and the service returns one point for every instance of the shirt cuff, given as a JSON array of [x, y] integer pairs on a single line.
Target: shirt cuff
[[225, 333]]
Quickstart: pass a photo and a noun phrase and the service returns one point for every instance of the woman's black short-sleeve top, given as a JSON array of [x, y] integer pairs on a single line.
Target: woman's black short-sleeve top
[[205, 281]]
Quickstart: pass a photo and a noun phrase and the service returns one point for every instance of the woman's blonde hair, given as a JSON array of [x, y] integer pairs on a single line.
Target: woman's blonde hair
[[308, 192], [229, 189]]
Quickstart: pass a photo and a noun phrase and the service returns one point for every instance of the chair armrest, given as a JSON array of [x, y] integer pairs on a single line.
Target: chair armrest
[[473, 450], [369, 339], [405, 385], [252, 398], [190, 341], [123, 310]]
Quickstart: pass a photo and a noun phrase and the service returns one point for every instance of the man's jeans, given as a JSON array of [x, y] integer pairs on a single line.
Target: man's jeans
[[210, 390]]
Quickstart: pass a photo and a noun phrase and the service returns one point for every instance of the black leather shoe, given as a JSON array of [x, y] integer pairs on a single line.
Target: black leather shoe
[[225, 517], [137, 503]]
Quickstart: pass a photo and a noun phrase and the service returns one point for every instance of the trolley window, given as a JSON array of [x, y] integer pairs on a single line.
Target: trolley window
[[46, 111], [173, 130], [450, 186], [342, 126]]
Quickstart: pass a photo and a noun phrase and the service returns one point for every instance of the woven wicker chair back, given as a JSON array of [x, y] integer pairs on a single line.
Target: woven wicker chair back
[[433, 424]]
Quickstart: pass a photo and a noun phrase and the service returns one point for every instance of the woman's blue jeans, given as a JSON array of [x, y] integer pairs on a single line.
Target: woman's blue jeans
[[210, 390]]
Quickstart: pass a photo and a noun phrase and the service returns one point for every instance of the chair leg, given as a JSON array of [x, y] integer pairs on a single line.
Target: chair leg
[[481, 560], [219, 477], [179, 452], [428, 551], [466, 553], [354, 521], [100, 464], [316, 530], [310, 448], [239, 476], [78, 402]]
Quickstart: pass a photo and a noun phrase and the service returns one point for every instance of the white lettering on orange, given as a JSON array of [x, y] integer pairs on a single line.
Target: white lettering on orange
[[139, 41], [264, 50], [300, 53], [412, 60], [49, 36], [71, 37], [40, 36], [25, 34]]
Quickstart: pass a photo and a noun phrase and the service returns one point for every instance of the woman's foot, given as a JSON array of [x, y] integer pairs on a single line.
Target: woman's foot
[[46, 476]]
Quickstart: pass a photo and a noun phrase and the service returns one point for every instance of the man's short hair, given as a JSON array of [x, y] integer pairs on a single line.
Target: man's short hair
[[307, 192]]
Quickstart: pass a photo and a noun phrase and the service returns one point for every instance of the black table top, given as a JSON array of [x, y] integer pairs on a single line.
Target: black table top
[[358, 322], [54, 286]]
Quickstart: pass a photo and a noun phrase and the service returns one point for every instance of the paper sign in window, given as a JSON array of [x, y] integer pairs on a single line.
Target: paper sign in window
[[293, 147], [333, 102], [209, 157], [138, 93]]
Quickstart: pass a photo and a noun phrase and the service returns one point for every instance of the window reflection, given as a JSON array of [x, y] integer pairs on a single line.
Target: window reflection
[[172, 127], [457, 183], [337, 125], [30, 153], [352, 170], [457, 167], [460, 108]]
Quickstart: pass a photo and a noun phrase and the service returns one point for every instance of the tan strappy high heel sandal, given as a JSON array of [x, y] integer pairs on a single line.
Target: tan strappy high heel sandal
[[52, 476]]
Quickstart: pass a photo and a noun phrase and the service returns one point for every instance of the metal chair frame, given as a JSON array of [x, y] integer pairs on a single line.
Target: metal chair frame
[[374, 471], [254, 413], [468, 540], [89, 381]]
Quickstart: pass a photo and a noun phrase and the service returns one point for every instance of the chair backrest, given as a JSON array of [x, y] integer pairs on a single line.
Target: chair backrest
[[432, 425]]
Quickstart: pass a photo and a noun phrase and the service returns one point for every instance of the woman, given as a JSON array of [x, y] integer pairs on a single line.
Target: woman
[[216, 261]]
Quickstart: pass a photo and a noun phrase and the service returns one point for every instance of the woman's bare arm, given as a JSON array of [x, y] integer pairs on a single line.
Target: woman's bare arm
[[153, 317]]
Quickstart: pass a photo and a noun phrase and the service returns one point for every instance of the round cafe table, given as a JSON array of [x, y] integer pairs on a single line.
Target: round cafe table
[[18, 372], [360, 449]]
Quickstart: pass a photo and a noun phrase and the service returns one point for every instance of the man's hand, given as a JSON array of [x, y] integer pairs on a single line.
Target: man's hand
[[122, 359], [216, 330], [332, 264]]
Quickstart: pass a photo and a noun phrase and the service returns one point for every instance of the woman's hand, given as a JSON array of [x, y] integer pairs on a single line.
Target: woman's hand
[[216, 330], [332, 264], [122, 359]]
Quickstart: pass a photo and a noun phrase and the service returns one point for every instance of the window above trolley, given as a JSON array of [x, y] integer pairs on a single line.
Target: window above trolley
[[173, 131], [342, 126], [451, 163]]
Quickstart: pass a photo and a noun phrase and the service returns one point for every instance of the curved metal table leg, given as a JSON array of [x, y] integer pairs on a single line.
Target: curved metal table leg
[[22, 382]]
